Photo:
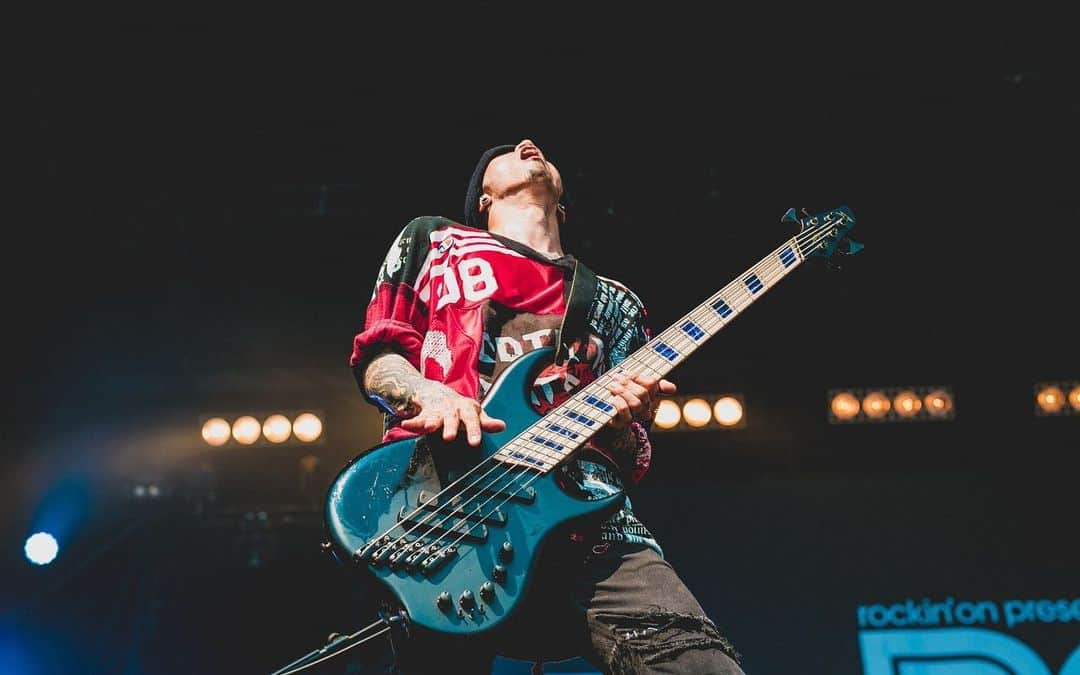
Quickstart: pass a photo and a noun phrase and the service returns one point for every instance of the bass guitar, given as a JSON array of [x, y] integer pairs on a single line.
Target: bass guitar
[[460, 554]]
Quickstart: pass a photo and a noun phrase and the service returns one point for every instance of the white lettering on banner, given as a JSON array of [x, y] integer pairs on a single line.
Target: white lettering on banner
[[953, 651]]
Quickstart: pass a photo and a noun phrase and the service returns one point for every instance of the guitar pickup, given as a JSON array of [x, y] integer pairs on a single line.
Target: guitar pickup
[[455, 527], [476, 514]]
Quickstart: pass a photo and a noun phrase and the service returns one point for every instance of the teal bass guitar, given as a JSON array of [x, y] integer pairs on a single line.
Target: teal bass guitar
[[457, 544]]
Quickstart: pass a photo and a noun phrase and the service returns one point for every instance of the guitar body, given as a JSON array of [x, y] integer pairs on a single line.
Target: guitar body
[[384, 489]]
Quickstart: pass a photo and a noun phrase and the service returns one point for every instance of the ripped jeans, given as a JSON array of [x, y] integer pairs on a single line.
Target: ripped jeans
[[639, 617]]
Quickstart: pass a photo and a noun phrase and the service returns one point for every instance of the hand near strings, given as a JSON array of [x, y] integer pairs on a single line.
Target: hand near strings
[[636, 398], [442, 407]]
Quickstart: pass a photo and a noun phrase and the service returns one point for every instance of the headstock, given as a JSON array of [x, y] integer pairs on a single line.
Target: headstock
[[824, 235]]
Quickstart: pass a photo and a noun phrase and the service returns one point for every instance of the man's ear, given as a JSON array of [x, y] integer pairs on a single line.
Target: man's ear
[[483, 204], [560, 213]]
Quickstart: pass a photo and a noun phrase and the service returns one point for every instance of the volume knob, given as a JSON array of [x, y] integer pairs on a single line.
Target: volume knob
[[487, 591], [467, 601], [443, 601]]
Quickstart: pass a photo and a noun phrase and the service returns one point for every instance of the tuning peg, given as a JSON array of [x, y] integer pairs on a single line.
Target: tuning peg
[[790, 216]]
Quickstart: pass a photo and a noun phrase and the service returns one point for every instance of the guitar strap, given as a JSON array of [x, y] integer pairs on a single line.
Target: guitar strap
[[575, 322]]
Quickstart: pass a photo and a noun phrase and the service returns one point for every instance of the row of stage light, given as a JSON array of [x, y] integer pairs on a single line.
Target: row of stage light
[[891, 404], [698, 412], [704, 412], [306, 427], [701, 412], [935, 403]]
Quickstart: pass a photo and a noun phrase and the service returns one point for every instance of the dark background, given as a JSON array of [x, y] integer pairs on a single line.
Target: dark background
[[202, 208]]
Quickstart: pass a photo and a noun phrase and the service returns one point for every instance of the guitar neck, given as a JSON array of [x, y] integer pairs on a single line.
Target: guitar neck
[[567, 427]]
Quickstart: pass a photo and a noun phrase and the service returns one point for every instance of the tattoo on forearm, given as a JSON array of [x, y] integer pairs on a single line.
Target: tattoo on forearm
[[391, 378], [618, 441]]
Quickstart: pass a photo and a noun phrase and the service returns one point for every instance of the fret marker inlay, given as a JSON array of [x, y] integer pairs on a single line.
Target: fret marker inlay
[[579, 418], [665, 351], [549, 443], [722, 308], [692, 329], [597, 403], [753, 283]]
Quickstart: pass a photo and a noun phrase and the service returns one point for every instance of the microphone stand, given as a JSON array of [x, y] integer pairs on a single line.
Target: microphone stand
[[393, 621]]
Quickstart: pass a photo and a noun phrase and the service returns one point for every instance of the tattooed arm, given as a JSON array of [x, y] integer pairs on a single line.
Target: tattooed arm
[[425, 405], [620, 442]]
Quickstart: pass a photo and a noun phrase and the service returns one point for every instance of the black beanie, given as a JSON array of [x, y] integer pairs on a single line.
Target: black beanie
[[473, 217]]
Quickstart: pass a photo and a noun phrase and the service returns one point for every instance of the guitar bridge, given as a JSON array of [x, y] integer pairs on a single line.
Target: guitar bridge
[[437, 560]]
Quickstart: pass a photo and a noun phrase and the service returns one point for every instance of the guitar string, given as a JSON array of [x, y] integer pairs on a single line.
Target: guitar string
[[812, 234], [774, 274]]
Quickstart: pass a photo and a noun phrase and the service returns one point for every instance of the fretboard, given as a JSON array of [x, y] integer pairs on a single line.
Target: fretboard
[[568, 426]]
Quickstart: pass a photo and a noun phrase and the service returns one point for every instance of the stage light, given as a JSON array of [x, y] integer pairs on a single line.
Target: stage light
[[41, 548], [697, 412], [668, 414], [907, 404], [844, 406], [728, 411], [246, 430], [890, 404], [875, 405], [938, 403], [1074, 398], [215, 431], [277, 428], [1051, 399], [307, 427]]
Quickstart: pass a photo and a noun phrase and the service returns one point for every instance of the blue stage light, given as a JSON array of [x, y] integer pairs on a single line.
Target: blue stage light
[[41, 548]]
